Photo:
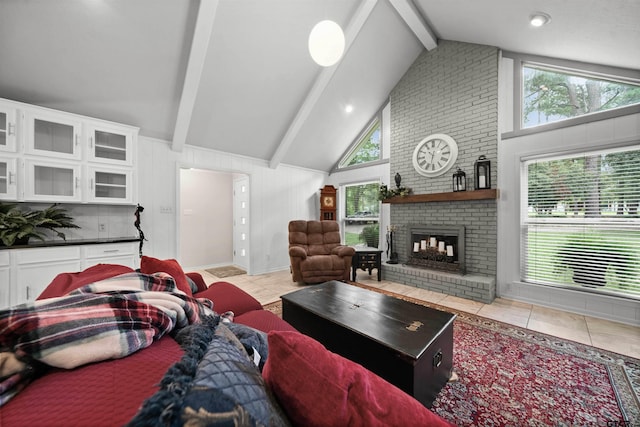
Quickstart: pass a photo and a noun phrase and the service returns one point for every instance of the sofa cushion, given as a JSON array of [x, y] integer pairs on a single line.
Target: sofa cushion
[[319, 388], [64, 283], [108, 393], [263, 320], [198, 280], [150, 265], [229, 297]]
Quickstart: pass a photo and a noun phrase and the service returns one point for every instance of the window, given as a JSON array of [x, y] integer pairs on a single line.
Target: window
[[581, 225], [551, 95], [362, 214], [367, 149]]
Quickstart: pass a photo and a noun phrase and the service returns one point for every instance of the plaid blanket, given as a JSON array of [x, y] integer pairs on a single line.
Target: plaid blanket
[[108, 319]]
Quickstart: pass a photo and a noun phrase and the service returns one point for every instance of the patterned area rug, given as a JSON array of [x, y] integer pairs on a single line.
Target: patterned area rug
[[510, 376], [226, 271]]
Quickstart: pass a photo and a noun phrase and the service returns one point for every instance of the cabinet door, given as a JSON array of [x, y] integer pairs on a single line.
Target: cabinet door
[[8, 115], [110, 185], [37, 267], [111, 253], [110, 144], [52, 181], [8, 181], [52, 134]]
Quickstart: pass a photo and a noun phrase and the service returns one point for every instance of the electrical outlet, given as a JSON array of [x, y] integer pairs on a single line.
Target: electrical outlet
[[102, 228]]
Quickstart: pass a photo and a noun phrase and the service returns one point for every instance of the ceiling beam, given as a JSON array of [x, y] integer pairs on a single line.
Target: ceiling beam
[[321, 83], [412, 17], [195, 65]]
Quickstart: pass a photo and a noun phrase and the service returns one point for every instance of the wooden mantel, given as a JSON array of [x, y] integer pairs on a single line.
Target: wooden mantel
[[453, 196]]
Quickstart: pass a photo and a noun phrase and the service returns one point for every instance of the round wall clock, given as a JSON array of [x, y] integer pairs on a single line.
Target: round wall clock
[[435, 155]]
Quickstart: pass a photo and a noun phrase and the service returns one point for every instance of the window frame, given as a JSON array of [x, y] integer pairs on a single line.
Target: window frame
[[376, 119], [622, 75], [526, 222], [342, 214]]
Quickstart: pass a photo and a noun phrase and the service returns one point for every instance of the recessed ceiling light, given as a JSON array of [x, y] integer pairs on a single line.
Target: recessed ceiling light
[[539, 19], [348, 108]]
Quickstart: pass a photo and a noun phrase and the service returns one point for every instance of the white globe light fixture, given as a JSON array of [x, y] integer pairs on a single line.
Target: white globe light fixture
[[326, 43]]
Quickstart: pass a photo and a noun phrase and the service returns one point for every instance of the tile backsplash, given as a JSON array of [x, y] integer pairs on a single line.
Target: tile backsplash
[[95, 221]]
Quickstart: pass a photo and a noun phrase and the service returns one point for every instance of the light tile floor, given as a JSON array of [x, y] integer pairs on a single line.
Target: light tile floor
[[605, 334]]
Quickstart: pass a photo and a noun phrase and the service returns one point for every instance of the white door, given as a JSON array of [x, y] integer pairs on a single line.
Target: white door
[[241, 222]]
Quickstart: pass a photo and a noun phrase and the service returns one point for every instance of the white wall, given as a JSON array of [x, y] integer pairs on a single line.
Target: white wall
[[277, 196], [206, 218]]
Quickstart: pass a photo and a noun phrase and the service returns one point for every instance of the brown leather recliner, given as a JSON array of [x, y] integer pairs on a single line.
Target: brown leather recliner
[[316, 252]]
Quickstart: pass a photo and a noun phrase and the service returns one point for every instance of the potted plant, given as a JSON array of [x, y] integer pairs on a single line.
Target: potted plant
[[17, 226], [370, 234], [591, 257]]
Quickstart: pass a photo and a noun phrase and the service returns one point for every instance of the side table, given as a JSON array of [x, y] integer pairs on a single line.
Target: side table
[[367, 258]]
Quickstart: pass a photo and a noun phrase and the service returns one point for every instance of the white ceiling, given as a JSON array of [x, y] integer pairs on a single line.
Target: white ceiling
[[235, 75]]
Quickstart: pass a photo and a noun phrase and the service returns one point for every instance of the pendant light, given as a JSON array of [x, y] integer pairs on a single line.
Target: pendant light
[[326, 43]]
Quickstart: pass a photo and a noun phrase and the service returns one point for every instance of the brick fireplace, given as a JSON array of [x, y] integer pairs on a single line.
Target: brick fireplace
[[452, 90]]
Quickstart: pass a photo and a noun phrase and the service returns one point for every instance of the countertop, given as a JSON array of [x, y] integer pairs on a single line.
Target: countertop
[[53, 243]]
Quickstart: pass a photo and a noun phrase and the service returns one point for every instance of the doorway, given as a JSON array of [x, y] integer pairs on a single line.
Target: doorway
[[207, 217]]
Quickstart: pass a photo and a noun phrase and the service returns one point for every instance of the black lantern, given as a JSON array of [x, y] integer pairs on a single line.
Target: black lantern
[[483, 173], [459, 181]]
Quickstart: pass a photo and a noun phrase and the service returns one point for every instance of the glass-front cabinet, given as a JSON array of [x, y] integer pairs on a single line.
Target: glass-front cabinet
[[110, 185], [52, 181], [110, 144], [53, 156], [53, 134], [8, 130], [8, 178]]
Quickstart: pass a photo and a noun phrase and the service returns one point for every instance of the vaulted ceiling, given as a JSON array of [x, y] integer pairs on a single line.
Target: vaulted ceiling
[[236, 76]]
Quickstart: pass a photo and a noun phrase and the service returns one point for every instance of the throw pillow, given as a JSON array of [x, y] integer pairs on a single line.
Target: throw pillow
[[319, 388], [150, 265], [64, 283]]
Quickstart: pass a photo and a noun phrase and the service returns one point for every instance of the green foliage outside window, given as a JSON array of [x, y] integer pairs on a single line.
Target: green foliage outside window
[[550, 95], [367, 149]]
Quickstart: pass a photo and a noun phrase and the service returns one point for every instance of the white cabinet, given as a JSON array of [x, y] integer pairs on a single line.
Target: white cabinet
[[35, 268], [110, 144], [8, 178], [53, 156], [52, 181], [110, 253], [53, 134], [25, 273], [8, 126], [110, 185]]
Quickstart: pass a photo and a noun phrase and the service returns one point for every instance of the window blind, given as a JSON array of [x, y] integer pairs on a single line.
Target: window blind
[[581, 226]]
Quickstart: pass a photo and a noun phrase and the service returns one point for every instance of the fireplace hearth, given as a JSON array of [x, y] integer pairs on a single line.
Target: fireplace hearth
[[437, 247]]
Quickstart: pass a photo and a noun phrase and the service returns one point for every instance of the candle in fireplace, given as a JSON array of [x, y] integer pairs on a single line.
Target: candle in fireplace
[[416, 246], [423, 245], [432, 242], [441, 246], [449, 250]]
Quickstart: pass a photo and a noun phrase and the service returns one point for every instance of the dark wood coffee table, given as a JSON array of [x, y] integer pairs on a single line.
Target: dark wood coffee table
[[407, 344]]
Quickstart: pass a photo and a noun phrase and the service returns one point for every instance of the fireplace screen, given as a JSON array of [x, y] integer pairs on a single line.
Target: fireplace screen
[[437, 247]]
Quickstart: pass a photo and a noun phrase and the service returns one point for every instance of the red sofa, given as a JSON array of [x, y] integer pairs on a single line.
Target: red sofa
[[311, 385]]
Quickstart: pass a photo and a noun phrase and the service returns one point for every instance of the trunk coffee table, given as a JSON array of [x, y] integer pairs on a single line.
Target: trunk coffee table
[[409, 345]]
